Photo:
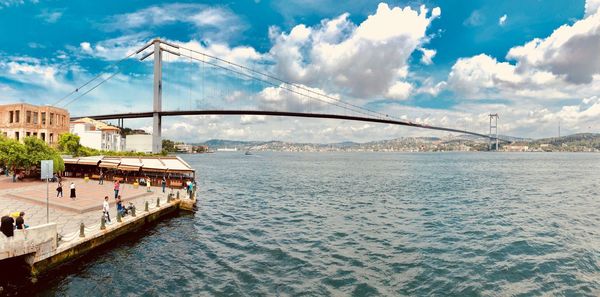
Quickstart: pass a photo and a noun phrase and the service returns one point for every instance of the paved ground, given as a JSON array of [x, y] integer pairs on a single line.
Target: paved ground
[[30, 197]]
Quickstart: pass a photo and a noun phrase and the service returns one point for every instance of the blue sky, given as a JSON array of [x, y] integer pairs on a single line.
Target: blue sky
[[439, 62]]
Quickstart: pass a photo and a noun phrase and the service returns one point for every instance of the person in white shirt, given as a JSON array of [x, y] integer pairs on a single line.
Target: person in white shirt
[[73, 196], [106, 208]]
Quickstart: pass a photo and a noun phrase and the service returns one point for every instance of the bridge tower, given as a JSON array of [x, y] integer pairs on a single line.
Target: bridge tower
[[157, 98], [494, 126]]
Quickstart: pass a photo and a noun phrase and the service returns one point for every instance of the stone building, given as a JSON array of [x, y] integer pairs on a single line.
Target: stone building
[[21, 120]]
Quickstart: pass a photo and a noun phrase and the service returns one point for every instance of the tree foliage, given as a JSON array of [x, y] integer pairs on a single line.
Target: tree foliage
[[29, 154], [168, 146], [69, 143]]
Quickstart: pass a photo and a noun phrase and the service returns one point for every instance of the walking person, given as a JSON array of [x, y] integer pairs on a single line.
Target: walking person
[[101, 179], [73, 195], [59, 190], [117, 186], [163, 183], [106, 209]]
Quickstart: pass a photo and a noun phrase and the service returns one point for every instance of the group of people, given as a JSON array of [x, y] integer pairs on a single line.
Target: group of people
[[59, 190], [11, 222], [122, 210]]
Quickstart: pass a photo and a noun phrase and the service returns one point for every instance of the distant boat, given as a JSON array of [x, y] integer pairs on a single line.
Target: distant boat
[[248, 153]]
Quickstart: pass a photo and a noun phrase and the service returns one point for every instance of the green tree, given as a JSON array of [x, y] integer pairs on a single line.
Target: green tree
[[12, 153], [69, 144], [168, 145], [37, 150]]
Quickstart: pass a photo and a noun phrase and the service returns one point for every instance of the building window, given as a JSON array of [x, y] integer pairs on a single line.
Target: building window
[[51, 118], [43, 135], [11, 115], [43, 118], [17, 116], [28, 134], [35, 134], [35, 118], [28, 116], [51, 138], [17, 135]]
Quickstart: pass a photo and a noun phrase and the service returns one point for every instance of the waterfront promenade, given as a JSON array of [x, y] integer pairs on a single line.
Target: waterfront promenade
[[30, 197]]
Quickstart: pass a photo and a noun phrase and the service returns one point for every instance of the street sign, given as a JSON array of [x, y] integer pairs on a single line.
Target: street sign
[[47, 169]]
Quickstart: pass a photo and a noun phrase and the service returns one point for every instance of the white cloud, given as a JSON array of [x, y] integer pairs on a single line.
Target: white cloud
[[427, 57], [278, 98], [216, 23], [591, 7], [400, 90], [10, 3], [476, 18], [502, 20], [86, 47], [50, 16], [363, 59], [556, 52], [252, 119], [560, 66]]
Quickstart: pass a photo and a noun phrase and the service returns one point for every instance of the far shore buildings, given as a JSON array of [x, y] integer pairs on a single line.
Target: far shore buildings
[[21, 120], [98, 135]]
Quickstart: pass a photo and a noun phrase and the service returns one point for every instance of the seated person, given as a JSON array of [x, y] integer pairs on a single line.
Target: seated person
[[20, 221], [120, 207], [6, 226]]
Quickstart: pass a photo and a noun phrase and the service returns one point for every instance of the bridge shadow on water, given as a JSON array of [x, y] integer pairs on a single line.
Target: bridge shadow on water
[[16, 279]]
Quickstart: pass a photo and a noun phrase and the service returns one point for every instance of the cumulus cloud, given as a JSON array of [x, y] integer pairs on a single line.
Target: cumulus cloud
[[298, 99], [502, 20], [400, 90], [562, 65], [571, 51], [365, 59]]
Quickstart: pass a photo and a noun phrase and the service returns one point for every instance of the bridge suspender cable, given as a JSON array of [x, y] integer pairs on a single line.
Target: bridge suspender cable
[[115, 64], [357, 109], [283, 81]]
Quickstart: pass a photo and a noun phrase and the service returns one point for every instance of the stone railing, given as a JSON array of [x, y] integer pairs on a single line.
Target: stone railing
[[38, 241]]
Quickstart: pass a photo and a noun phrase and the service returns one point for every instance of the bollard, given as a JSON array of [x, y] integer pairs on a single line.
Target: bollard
[[177, 195], [133, 210], [157, 201], [119, 217], [102, 223], [146, 209], [81, 230]]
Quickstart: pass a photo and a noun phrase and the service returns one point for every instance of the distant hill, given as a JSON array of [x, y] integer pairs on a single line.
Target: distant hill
[[591, 140]]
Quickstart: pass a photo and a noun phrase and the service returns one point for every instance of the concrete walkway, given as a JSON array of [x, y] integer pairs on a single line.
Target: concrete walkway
[[30, 197]]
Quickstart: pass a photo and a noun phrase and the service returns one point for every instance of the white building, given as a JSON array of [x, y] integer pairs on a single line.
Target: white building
[[139, 143], [98, 135], [184, 148]]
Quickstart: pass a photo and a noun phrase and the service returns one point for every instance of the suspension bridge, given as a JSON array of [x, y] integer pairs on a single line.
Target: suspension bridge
[[291, 99]]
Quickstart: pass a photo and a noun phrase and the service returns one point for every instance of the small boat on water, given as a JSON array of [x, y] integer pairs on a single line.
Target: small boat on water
[[248, 153]]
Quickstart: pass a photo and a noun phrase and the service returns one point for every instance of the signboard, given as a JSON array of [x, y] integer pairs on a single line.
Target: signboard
[[47, 169]]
